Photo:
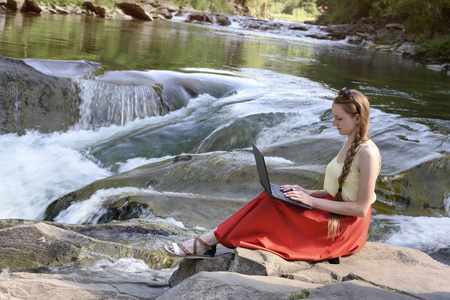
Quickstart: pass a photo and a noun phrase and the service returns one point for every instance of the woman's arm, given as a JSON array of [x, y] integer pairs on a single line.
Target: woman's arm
[[368, 163], [314, 193]]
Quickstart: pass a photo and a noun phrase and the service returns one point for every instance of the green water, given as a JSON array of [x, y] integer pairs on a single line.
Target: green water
[[394, 84]]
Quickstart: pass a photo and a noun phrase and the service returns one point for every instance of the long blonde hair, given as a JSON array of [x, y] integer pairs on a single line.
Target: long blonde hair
[[353, 102]]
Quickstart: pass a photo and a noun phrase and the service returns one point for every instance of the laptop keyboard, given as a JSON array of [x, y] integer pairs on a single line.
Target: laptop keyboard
[[276, 191]]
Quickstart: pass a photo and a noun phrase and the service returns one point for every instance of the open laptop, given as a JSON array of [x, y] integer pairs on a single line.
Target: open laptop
[[272, 189]]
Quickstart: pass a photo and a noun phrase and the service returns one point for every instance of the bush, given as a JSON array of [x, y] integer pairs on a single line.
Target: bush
[[438, 47]]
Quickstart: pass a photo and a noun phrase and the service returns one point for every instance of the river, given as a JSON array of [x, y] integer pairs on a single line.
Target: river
[[284, 83]]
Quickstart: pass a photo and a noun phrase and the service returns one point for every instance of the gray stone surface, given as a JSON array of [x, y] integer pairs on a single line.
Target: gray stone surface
[[378, 271], [57, 287]]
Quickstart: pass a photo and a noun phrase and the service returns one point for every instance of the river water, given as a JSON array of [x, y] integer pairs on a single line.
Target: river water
[[284, 81]]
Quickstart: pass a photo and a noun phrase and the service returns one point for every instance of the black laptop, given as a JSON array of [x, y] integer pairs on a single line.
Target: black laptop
[[272, 189]]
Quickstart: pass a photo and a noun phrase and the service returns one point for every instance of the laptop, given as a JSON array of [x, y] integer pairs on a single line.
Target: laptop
[[272, 189]]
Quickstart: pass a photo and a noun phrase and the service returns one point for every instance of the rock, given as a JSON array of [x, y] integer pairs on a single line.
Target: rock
[[170, 6], [202, 17], [395, 26], [319, 36], [60, 10], [15, 4], [32, 245], [40, 98], [340, 29], [299, 27], [135, 10], [228, 181], [222, 20], [49, 286], [32, 6], [164, 12], [24, 5], [99, 10], [438, 68], [378, 271], [226, 285]]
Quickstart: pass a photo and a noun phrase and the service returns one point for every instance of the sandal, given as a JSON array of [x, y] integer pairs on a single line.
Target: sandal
[[210, 252]]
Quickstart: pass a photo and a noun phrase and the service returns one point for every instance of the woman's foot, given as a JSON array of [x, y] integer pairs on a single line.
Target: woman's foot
[[201, 246]]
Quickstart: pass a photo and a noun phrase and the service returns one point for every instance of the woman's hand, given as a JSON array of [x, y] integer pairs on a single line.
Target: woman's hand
[[300, 196], [287, 188]]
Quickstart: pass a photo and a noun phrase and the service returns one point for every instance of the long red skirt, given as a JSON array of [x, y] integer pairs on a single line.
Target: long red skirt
[[292, 232]]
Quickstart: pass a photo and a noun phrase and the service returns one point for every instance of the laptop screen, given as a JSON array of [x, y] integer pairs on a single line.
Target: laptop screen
[[262, 170]]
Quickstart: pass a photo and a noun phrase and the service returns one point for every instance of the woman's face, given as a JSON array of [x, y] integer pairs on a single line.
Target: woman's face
[[345, 123]]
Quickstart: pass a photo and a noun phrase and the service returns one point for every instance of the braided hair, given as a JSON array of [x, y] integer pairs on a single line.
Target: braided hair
[[353, 102]]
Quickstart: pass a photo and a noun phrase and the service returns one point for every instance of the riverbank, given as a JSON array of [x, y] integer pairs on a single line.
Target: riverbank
[[368, 33], [378, 271]]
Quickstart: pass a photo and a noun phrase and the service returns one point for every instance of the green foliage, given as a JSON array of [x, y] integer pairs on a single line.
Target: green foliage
[[438, 47], [418, 16], [48, 3], [303, 295], [294, 10], [428, 19], [308, 5], [424, 17], [207, 5]]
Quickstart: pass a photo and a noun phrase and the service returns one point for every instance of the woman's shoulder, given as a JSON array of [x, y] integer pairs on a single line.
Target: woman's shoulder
[[369, 151]]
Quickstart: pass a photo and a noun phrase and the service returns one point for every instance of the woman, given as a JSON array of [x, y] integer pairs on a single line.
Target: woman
[[338, 223]]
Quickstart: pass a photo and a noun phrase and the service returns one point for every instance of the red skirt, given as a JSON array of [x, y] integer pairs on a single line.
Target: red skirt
[[292, 232]]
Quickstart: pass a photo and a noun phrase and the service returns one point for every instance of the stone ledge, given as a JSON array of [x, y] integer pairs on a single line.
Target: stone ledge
[[379, 270]]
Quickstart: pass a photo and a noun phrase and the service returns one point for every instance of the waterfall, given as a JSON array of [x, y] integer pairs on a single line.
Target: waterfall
[[104, 104]]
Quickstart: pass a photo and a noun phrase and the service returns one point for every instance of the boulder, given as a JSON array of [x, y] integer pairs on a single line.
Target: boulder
[[170, 6], [378, 271], [209, 187], [33, 245], [24, 5], [34, 100], [15, 4], [164, 12], [222, 20], [99, 10], [201, 17], [135, 10]]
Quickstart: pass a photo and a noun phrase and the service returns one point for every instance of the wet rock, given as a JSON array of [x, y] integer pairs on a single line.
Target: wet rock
[[219, 183], [299, 27], [419, 191], [31, 245], [439, 67], [339, 31], [201, 17], [378, 271], [33, 100], [222, 20]]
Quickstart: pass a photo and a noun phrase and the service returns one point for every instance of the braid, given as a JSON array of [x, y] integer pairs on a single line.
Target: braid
[[358, 104]]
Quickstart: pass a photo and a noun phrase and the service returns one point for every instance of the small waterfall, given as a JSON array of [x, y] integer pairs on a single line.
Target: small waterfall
[[104, 104]]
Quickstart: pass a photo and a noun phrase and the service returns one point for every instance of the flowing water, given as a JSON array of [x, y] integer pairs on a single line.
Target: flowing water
[[282, 83]]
